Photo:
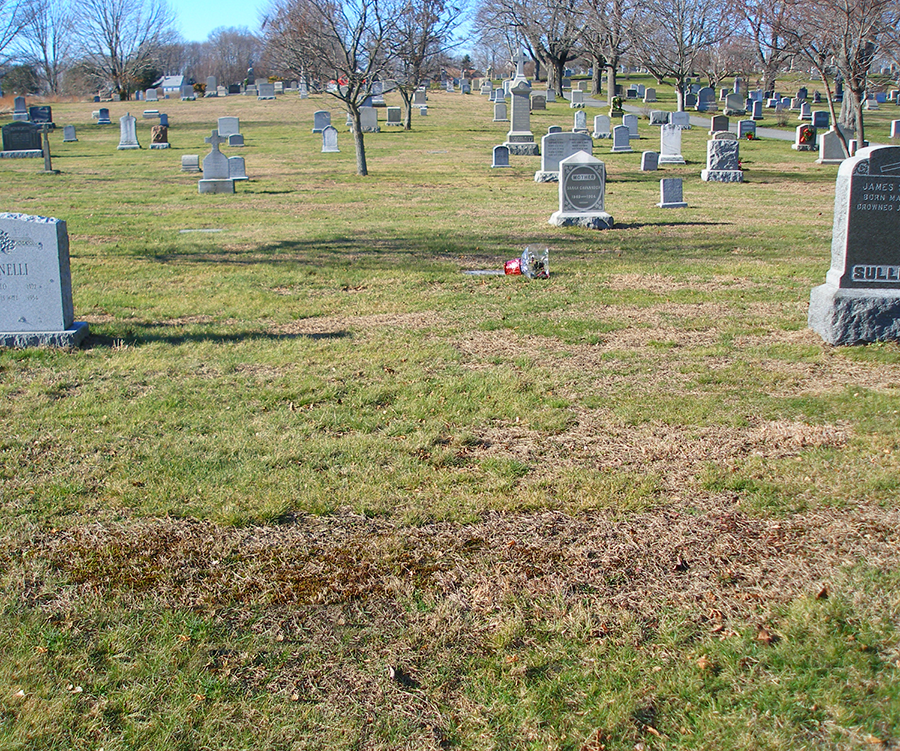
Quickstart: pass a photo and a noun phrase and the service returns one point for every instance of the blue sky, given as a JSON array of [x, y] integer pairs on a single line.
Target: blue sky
[[196, 19]]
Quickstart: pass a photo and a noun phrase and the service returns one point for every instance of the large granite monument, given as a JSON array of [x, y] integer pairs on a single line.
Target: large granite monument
[[860, 300], [35, 284], [582, 193]]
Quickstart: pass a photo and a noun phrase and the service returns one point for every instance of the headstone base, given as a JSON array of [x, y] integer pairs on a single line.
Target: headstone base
[[523, 149], [546, 177], [159, 145], [830, 161], [26, 154], [596, 135], [128, 146], [69, 338], [671, 159], [722, 175], [215, 186], [600, 220], [675, 205], [622, 150], [854, 316], [804, 147]]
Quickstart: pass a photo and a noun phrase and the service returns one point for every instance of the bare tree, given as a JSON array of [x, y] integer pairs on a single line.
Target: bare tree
[[842, 37], [46, 41], [342, 42], [14, 15], [229, 52], [551, 30], [766, 25], [119, 38], [608, 35], [671, 34], [421, 35]]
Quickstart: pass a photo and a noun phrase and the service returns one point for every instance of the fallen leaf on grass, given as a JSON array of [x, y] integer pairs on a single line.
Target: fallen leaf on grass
[[704, 663], [765, 636]]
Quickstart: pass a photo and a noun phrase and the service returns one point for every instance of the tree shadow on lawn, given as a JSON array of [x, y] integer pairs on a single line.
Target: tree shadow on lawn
[[142, 334]]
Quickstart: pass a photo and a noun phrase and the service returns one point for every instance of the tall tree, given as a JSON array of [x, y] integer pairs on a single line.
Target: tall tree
[[46, 41], [231, 51], [765, 28], [343, 43], [14, 14], [671, 34], [843, 37], [420, 36], [551, 30], [119, 38], [608, 35]]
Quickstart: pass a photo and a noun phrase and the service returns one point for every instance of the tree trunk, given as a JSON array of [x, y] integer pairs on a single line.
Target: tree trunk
[[611, 69], [407, 103], [361, 168], [597, 74]]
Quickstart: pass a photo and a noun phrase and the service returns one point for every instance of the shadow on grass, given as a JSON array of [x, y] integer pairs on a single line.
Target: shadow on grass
[[132, 337]]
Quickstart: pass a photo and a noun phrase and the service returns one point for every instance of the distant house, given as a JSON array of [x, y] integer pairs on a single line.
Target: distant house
[[170, 84]]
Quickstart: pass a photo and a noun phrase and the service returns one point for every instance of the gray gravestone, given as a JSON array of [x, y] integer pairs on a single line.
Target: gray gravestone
[[805, 112], [22, 139], [577, 99], [229, 126], [520, 139], [746, 127], [831, 150], [35, 284], [680, 120], [659, 117], [723, 161], [860, 300], [237, 170], [190, 163], [621, 140], [649, 96], [103, 116], [757, 110], [20, 110], [216, 173], [212, 87], [69, 134], [265, 91], [582, 192], [805, 138], [330, 140], [670, 193], [500, 113], [368, 119], [821, 119], [706, 99], [321, 119], [538, 102], [895, 128], [236, 140], [670, 145], [41, 115], [555, 147], [555, 129], [601, 127], [394, 116], [718, 123], [159, 137], [187, 93], [501, 156], [649, 161], [735, 105], [128, 132], [631, 122]]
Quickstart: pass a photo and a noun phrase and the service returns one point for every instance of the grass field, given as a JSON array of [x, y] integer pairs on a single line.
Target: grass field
[[308, 485]]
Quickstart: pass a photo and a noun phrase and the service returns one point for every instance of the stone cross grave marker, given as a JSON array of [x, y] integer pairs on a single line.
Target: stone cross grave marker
[[35, 283], [216, 173]]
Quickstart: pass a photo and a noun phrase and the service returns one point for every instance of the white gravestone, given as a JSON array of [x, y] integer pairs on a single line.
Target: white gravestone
[[330, 140], [670, 193], [35, 284], [216, 173], [212, 89], [582, 193], [555, 147], [680, 120], [670, 145], [265, 91], [649, 161], [860, 300], [577, 99], [229, 126], [723, 161], [601, 127], [631, 122], [580, 125], [69, 134], [128, 132], [831, 150], [190, 163], [368, 119]]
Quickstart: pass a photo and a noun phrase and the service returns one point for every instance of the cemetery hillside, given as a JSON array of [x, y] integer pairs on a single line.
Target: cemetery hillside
[[289, 462]]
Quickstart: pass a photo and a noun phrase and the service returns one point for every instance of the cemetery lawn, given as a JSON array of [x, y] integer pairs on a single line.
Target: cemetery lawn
[[308, 485]]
